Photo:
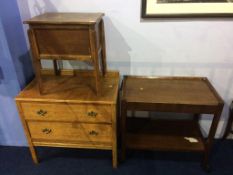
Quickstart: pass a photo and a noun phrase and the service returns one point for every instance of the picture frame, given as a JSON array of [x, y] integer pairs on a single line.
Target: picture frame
[[186, 8]]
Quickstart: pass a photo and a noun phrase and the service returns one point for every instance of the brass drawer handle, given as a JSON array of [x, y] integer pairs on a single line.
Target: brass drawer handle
[[41, 112], [92, 114], [93, 133], [46, 130]]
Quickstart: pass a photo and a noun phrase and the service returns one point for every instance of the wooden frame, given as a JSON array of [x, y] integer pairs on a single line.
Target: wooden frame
[[140, 93], [42, 109], [68, 36], [179, 9]]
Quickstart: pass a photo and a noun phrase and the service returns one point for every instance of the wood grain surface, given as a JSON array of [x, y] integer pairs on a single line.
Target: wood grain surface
[[66, 18], [70, 115], [72, 89], [170, 90], [67, 112], [70, 131]]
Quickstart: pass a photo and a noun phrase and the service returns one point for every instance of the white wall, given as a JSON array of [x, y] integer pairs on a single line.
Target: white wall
[[190, 47]]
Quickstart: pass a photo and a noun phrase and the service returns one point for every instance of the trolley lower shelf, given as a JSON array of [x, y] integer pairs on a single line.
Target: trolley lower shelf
[[167, 135]]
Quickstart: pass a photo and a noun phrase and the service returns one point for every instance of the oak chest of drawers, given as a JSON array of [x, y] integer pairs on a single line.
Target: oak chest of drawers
[[69, 114]]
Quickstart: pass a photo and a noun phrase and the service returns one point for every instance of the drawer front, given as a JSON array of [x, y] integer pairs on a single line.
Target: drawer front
[[55, 131], [67, 112]]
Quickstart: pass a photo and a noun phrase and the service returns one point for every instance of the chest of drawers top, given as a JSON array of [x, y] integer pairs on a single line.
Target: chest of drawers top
[[66, 18], [72, 89]]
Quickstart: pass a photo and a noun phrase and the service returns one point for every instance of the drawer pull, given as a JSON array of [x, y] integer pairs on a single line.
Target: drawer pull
[[46, 130], [93, 133], [41, 112], [92, 114]]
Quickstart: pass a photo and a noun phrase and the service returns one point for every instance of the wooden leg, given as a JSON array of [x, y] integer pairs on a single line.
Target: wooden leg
[[114, 156], [123, 129], [55, 67], [103, 52], [228, 128], [26, 131], [229, 123], [209, 141], [196, 117], [36, 59], [33, 154], [205, 163], [133, 113], [37, 65], [114, 136], [94, 53], [97, 79]]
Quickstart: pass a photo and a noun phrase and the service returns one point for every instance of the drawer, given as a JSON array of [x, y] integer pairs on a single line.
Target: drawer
[[62, 131], [67, 112]]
